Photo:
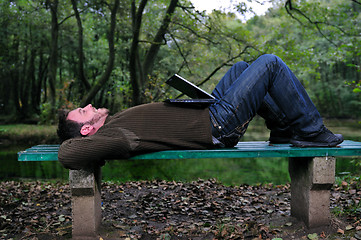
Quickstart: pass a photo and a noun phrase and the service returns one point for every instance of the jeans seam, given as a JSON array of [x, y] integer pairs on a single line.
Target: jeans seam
[[229, 119], [242, 129], [275, 114], [214, 123]]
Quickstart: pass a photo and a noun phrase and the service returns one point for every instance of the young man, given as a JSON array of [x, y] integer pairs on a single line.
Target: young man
[[266, 87]]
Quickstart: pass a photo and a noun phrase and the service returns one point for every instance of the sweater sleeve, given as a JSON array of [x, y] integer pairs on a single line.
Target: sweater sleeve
[[88, 152]]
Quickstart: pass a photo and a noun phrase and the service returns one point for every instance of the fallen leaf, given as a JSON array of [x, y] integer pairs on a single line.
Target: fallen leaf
[[349, 227], [62, 233], [61, 218], [312, 236]]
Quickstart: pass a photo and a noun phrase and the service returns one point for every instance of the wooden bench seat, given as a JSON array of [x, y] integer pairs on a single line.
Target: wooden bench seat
[[312, 172]]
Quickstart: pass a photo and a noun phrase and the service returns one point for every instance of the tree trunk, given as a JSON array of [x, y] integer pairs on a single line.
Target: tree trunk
[[53, 55], [158, 39], [14, 73], [139, 76], [36, 85], [81, 72], [24, 84], [27, 82], [136, 73], [106, 75], [32, 81]]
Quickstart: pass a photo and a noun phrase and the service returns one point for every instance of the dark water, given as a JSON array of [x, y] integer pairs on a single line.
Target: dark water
[[228, 171], [10, 168]]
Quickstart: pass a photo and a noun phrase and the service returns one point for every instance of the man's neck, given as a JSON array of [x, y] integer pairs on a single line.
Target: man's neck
[[98, 124]]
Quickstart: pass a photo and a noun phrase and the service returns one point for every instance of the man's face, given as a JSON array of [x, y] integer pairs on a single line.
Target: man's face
[[88, 114]]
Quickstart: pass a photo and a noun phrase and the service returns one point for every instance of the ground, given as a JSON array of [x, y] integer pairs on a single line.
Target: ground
[[203, 209]]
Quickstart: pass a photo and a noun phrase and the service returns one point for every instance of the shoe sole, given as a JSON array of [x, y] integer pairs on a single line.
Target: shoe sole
[[279, 140], [314, 144]]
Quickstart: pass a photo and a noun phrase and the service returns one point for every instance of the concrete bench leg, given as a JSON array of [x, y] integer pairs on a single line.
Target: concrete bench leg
[[311, 182], [86, 202]]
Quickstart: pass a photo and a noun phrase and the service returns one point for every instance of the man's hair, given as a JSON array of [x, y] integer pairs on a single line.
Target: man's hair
[[67, 128]]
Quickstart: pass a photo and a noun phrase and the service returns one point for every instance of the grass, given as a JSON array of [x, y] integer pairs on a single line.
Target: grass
[[228, 171], [26, 134]]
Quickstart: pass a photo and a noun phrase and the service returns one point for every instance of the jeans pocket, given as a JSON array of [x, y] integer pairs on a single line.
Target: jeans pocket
[[232, 138]]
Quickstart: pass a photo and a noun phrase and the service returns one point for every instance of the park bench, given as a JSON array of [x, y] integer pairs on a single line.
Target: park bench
[[312, 172]]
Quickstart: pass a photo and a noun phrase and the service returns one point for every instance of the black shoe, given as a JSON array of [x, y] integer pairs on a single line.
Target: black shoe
[[324, 139], [280, 135]]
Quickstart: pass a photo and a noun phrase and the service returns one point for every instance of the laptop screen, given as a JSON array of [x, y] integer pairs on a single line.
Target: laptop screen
[[188, 88]]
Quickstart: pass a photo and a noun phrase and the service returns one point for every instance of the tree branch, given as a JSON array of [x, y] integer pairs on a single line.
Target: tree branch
[[195, 16], [70, 16], [291, 8], [195, 33], [181, 52], [225, 63]]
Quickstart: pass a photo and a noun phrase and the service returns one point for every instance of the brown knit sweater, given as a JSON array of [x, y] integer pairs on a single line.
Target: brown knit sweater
[[141, 129]]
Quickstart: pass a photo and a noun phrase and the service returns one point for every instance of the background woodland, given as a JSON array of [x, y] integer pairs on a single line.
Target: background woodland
[[118, 53]]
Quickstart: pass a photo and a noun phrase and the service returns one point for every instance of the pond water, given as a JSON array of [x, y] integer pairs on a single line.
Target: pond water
[[227, 171]]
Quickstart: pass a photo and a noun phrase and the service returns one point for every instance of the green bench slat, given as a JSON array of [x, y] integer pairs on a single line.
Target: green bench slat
[[242, 150], [259, 149]]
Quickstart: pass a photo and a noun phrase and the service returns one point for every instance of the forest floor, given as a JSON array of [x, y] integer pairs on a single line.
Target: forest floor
[[203, 209]]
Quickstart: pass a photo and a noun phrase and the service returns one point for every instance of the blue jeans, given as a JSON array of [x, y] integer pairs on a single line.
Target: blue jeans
[[266, 87]]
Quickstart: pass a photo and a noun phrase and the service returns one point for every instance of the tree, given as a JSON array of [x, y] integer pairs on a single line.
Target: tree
[[53, 61], [323, 64], [111, 58], [338, 22], [117, 54], [140, 67], [80, 50]]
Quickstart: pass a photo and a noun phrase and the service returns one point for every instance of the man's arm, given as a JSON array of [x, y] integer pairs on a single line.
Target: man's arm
[[88, 152]]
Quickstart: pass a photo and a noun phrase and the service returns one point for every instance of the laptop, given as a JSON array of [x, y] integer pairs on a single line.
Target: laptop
[[198, 96]]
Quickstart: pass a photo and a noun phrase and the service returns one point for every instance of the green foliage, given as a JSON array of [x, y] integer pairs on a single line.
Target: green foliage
[[318, 39], [318, 42], [46, 110]]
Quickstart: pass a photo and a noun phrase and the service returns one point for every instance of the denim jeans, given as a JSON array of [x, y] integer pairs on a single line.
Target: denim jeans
[[266, 87]]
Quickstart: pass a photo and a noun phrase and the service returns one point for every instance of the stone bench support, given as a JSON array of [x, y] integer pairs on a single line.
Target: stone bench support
[[86, 202], [311, 181]]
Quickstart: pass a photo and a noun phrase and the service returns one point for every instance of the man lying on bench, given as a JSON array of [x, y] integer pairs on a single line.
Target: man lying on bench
[[267, 87]]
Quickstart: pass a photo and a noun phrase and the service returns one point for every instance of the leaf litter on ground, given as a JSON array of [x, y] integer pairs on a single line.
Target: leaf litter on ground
[[202, 209]]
